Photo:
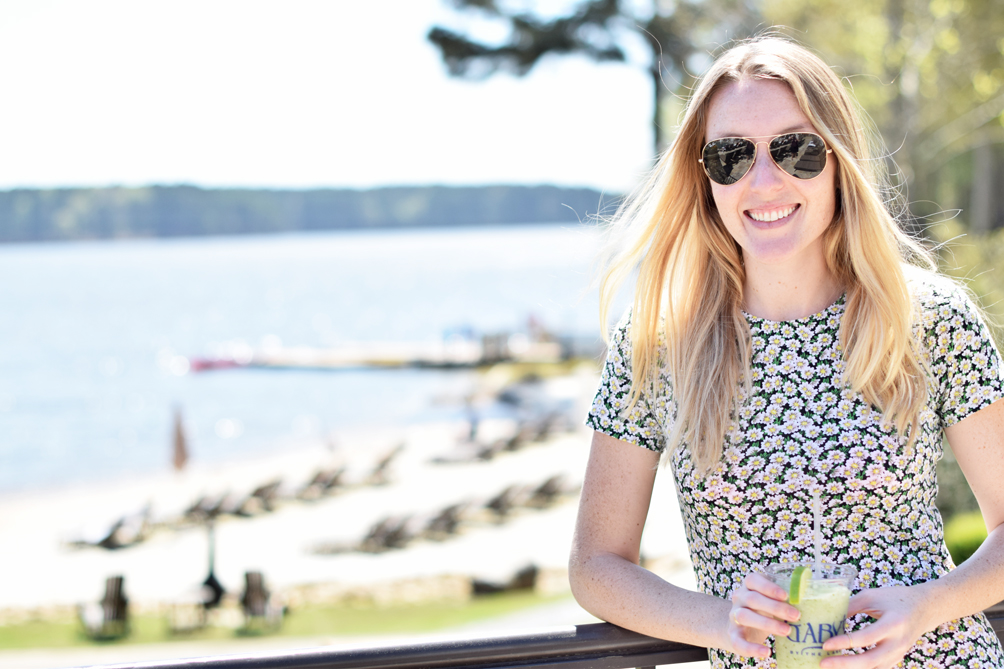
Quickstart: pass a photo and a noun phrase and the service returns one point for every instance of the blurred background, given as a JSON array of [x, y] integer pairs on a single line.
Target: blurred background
[[283, 284]]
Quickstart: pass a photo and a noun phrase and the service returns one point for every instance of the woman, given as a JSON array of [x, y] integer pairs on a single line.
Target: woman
[[786, 337]]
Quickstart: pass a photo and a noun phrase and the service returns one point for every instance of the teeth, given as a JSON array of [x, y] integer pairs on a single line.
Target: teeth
[[771, 216]]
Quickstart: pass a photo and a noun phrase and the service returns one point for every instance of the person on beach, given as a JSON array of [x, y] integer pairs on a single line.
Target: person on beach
[[785, 338]]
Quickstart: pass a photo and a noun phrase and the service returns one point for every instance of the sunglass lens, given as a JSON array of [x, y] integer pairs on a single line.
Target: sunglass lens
[[728, 160], [800, 154]]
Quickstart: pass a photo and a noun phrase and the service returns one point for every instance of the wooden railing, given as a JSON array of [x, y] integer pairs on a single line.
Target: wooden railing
[[597, 646]]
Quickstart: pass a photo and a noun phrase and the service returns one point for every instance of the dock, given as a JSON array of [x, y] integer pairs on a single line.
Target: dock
[[456, 353]]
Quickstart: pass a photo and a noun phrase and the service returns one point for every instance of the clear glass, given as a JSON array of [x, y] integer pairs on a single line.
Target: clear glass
[[823, 608]]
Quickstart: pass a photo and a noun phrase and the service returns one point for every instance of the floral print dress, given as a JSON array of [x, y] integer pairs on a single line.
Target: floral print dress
[[801, 430]]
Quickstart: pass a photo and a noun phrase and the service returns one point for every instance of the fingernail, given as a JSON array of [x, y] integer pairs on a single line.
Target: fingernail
[[795, 616]]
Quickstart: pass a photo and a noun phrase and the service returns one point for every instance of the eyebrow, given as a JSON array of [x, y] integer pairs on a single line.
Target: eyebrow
[[801, 127]]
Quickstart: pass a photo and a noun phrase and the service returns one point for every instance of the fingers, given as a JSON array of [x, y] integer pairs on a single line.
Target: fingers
[[887, 641], [895, 630], [884, 656], [760, 583], [860, 603], [745, 617], [760, 596], [759, 609], [866, 636], [741, 646], [858, 639]]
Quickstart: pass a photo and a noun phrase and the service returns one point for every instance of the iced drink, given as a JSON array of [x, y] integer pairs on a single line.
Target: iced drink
[[823, 606]]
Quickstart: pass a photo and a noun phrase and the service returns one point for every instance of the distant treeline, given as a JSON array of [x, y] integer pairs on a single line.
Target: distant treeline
[[173, 211]]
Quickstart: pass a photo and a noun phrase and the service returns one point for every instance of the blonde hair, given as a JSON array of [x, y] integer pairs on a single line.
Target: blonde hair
[[690, 270]]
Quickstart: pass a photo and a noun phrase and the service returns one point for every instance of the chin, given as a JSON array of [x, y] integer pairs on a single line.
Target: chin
[[775, 252]]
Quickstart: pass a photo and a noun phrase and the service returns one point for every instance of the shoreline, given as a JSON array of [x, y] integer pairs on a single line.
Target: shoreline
[[434, 466], [278, 543], [41, 525]]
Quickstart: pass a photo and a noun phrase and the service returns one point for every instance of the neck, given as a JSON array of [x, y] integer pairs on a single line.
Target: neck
[[784, 294]]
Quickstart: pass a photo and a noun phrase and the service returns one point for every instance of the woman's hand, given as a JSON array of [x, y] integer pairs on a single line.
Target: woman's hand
[[900, 614], [759, 609]]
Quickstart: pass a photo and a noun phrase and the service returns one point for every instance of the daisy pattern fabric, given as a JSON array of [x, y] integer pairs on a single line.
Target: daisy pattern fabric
[[801, 429]]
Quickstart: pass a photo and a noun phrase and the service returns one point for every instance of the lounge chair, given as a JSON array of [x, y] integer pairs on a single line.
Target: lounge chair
[[324, 482], [548, 492], [380, 473], [506, 501], [262, 499], [524, 579], [109, 618], [389, 533], [124, 532], [445, 523], [208, 507], [260, 614]]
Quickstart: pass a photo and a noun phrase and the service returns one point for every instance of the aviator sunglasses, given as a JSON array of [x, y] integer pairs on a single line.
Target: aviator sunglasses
[[800, 154]]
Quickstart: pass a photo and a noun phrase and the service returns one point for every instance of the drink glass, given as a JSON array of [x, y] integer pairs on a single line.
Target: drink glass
[[824, 611]]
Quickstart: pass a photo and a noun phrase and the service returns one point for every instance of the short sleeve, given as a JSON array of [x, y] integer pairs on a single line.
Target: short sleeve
[[609, 414], [965, 364]]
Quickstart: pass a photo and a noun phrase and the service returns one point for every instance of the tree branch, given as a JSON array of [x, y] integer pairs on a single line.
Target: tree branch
[[530, 39]]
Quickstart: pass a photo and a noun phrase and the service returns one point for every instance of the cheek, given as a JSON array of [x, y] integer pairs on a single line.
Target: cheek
[[720, 198], [724, 200]]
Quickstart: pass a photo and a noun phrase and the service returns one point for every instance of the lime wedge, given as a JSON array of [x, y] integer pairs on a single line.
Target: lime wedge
[[800, 577]]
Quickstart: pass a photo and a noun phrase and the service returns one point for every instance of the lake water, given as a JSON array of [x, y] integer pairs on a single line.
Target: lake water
[[93, 332]]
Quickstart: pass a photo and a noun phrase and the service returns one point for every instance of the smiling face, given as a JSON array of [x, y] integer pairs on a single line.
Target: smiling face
[[778, 220]]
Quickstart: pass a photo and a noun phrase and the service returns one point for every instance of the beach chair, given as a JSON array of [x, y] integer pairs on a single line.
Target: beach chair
[[109, 618], [260, 614], [127, 531], [524, 579], [261, 500], [506, 502], [324, 482], [209, 507], [391, 532], [381, 472], [548, 492], [486, 452], [446, 522]]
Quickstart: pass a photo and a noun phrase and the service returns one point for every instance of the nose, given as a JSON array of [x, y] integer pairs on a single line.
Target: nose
[[765, 175]]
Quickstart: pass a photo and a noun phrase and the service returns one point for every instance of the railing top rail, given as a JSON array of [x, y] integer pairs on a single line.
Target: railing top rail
[[599, 645], [595, 646]]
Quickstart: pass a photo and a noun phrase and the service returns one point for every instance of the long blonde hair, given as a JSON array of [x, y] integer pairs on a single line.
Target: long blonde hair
[[690, 270]]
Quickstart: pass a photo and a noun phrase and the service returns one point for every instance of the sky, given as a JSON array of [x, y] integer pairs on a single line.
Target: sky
[[296, 94]]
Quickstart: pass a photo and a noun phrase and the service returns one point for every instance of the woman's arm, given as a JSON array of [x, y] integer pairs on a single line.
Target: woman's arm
[[978, 444], [608, 582], [905, 613]]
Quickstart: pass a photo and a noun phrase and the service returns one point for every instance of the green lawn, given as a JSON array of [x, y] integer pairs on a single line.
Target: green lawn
[[341, 620]]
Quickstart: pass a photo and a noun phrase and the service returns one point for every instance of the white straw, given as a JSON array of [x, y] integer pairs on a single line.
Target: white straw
[[817, 535]]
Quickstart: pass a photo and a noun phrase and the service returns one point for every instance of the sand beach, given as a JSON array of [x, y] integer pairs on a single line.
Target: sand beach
[[306, 545]]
